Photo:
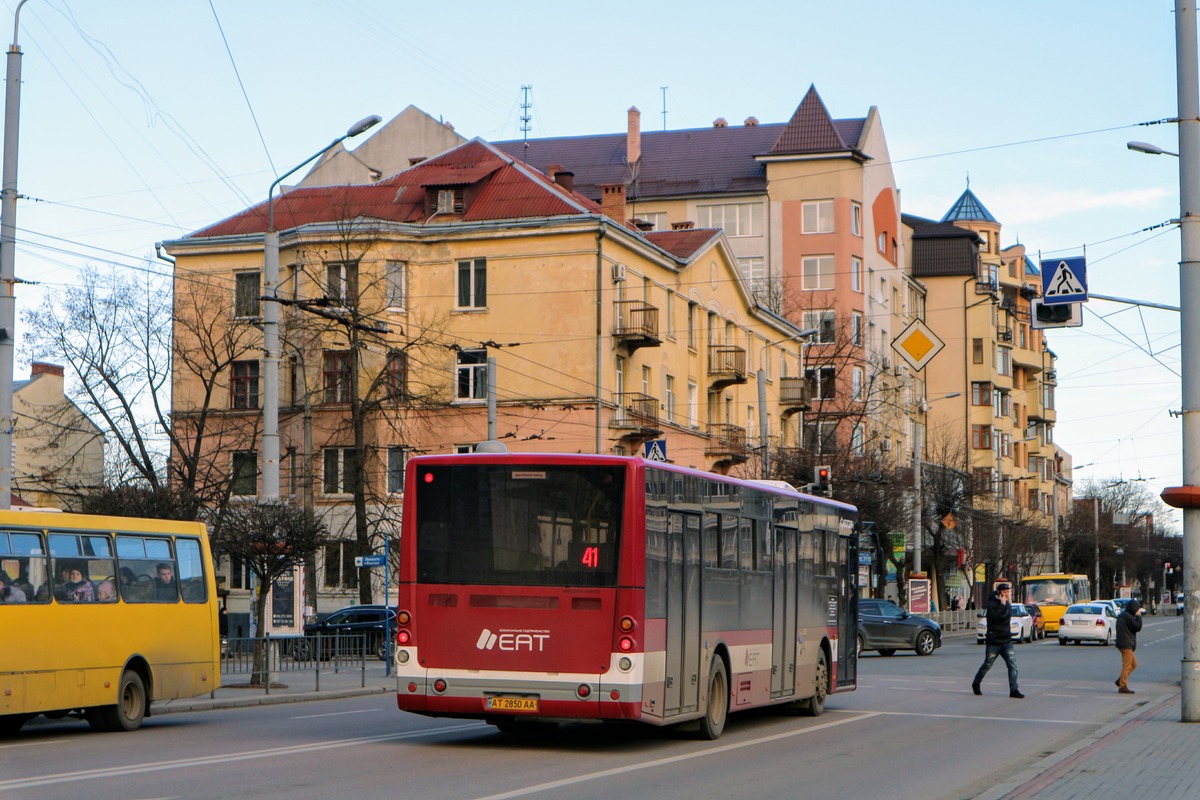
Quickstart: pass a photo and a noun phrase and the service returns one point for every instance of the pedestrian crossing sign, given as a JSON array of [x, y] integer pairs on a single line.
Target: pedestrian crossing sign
[[656, 450], [1064, 280]]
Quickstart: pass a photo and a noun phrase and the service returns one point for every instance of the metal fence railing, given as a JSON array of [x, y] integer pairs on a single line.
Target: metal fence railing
[[262, 661]]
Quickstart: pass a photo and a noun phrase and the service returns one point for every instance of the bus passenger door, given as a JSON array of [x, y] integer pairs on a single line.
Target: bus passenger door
[[783, 634], [682, 690]]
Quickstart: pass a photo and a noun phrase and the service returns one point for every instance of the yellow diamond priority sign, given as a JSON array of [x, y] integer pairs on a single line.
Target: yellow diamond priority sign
[[917, 345]]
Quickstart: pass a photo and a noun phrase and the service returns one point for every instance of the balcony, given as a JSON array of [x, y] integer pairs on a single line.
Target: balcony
[[726, 365], [636, 416], [795, 394], [727, 443], [1051, 376], [1004, 335], [636, 325]]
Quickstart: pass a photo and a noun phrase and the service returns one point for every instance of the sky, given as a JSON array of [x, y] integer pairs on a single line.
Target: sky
[[143, 121]]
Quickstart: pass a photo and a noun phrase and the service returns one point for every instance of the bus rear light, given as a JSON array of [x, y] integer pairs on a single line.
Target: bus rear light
[[401, 656], [615, 694], [404, 618], [439, 685], [403, 637], [624, 664], [412, 688], [584, 691], [626, 624], [625, 644]]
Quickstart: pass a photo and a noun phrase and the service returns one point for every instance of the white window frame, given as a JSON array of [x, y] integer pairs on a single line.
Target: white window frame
[[341, 281], [856, 219], [693, 404], [856, 268], [824, 321], [856, 328], [474, 297], [857, 384], [396, 281], [473, 373], [818, 273], [736, 219], [816, 216]]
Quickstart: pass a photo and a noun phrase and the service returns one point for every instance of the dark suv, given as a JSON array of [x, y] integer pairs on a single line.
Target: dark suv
[[886, 627], [346, 631]]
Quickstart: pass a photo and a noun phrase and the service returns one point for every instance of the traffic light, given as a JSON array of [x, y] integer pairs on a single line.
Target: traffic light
[[821, 477]]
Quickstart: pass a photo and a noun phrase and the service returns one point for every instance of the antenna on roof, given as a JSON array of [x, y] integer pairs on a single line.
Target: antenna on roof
[[525, 117], [663, 89]]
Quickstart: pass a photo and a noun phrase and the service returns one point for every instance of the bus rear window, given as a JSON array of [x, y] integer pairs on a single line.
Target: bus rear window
[[544, 525]]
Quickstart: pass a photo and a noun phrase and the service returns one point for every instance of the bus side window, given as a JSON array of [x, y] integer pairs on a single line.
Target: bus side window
[[192, 583]]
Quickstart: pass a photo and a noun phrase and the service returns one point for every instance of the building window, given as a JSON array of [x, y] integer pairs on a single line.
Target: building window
[[857, 387], [881, 242], [856, 274], [337, 376], [693, 405], [472, 283], [340, 571], [856, 328], [825, 322], [1001, 403], [670, 397], [820, 437], [982, 479], [471, 371], [397, 458], [754, 272], [341, 473], [981, 394], [395, 379], [244, 476], [396, 276], [243, 385], [1004, 361], [1048, 396], [856, 219], [824, 382], [857, 441], [657, 220], [737, 219], [977, 351], [247, 291], [341, 284], [817, 273], [816, 216], [981, 437]]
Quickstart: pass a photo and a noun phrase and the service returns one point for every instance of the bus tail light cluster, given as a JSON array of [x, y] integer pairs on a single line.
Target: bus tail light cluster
[[626, 642], [403, 634]]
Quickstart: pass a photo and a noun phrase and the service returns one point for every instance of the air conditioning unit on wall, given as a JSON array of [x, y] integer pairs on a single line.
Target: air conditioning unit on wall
[[618, 272], [885, 445]]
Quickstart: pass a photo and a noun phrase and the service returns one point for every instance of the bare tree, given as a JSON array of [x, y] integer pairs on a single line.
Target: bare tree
[[271, 539]]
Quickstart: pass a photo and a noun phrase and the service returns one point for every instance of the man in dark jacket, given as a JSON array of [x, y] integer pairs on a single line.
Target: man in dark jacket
[[999, 639], [1128, 624]]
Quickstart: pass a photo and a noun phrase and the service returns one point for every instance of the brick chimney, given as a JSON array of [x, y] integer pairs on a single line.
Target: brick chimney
[[612, 201], [42, 368], [633, 140], [565, 179], [686, 225]]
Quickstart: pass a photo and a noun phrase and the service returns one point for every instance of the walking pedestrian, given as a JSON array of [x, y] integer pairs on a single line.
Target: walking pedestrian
[[999, 640], [1129, 622]]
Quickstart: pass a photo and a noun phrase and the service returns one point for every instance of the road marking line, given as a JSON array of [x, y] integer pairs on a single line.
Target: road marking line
[[704, 753], [220, 758], [339, 713]]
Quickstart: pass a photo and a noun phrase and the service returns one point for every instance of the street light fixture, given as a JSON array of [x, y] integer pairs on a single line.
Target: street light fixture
[[1150, 149], [270, 437]]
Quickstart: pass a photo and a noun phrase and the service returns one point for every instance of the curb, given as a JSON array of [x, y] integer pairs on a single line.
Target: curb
[[195, 704]]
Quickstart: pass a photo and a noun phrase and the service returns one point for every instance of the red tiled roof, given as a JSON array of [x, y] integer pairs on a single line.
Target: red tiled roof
[[683, 244]]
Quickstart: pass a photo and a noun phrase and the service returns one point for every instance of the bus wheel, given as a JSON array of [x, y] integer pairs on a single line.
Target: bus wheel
[[127, 714], [815, 705], [11, 723], [713, 721]]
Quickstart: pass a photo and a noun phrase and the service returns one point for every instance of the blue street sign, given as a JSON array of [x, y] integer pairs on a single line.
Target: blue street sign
[[655, 450], [370, 561], [1064, 280]]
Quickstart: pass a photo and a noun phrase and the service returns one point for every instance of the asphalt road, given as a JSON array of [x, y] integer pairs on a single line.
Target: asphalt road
[[912, 730]]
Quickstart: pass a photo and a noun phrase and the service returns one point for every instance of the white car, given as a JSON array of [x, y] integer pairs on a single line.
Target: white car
[[1021, 625], [1088, 622]]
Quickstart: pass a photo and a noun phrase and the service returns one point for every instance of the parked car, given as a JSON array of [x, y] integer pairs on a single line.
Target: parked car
[[1088, 622], [1021, 625], [1121, 602], [346, 631], [1039, 620], [886, 627]]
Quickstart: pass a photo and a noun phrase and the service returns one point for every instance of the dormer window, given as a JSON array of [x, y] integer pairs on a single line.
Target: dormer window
[[444, 201]]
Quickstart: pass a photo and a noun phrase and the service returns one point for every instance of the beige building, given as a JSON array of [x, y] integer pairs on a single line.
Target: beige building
[[400, 295], [991, 390], [58, 452]]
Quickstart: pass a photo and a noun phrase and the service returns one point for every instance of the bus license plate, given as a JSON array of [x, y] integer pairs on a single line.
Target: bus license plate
[[506, 703]]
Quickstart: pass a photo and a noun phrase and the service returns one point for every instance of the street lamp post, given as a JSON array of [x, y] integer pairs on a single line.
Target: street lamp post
[[270, 437], [763, 426], [8, 256], [918, 485]]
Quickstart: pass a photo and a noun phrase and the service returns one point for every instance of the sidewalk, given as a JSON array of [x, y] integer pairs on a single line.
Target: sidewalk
[[286, 687], [1147, 752]]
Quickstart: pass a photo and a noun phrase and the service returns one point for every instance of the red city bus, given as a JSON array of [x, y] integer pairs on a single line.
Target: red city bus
[[545, 588]]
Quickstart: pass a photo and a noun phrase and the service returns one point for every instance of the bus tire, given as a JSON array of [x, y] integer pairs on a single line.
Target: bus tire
[[10, 724], [815, 705], [713, 722], [127, 714]]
